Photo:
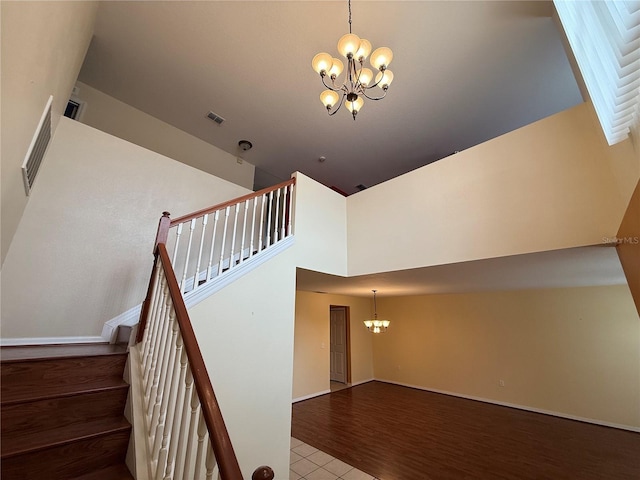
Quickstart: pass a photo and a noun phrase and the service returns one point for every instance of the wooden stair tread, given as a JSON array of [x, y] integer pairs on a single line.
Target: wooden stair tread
[[35, 441], [33, 352], [12, 394], [114, 472]]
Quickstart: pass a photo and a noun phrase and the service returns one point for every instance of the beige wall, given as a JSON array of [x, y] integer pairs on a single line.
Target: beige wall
[[82, 252], [124, 121], [628, 247], [35, 66], [311, 348], [245, 332], [574, 351], [546, 186]]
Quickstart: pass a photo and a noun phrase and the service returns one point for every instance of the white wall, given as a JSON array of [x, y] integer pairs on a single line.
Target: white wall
[[82, 252], [245, 332], [546, 186], [124, 121], [43, 46], [320, 217]]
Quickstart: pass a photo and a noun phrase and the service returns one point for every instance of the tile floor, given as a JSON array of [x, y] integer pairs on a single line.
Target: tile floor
[[309, 463]]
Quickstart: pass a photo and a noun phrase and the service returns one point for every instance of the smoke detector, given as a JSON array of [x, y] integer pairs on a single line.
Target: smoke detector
[[245, 145]]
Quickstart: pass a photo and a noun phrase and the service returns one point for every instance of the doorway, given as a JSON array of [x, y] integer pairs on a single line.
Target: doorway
[[340, 354]]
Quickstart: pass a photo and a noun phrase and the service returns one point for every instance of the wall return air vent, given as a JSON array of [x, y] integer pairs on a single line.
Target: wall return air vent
[[37, 149]]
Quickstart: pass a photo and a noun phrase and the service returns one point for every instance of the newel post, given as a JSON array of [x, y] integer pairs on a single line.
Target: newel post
[[163, 229], [263, 473]]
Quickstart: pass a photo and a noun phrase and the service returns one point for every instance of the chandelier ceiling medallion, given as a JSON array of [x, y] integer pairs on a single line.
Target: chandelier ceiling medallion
[[358, 79], [375, 325]]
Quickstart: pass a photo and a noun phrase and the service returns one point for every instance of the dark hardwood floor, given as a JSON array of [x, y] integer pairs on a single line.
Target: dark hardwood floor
[[400, 433]]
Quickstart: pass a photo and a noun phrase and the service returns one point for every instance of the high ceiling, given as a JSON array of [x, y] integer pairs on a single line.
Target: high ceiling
[[465, 72]]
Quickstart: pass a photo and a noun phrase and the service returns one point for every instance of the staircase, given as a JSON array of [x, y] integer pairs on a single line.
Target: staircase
[[62, 413]]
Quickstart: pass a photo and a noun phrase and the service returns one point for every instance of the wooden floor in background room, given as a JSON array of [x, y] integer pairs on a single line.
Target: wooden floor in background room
[[399, 433]]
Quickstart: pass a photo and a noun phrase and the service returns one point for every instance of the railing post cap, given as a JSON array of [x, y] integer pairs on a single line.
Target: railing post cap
[[166, 214], [263, 472]]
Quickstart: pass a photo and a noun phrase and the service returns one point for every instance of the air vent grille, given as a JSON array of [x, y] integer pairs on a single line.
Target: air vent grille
[[37, 149], [215, 117]]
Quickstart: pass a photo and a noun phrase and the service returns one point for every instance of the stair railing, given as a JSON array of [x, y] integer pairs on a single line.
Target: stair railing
[[186, 434], [209, 242]]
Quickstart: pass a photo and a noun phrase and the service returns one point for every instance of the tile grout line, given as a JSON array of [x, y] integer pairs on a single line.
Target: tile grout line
[[310, 469]]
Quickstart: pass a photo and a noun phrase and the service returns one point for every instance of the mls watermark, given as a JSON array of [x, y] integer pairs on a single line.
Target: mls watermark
[[621, 240]]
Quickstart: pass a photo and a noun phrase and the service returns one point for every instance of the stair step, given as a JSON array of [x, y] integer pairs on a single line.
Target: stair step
[[114, 472], [36, 441], [67, 460], [45, 378], [30, 352], [50, 413]]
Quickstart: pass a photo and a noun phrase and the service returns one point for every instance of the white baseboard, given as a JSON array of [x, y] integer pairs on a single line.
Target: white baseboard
[[519, 407], [15, 342], [353, 384], [194, 297], [307, 397], [128, 318]]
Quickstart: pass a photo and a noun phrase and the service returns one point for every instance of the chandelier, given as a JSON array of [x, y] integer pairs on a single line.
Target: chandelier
[[358, 79], [375, 325]]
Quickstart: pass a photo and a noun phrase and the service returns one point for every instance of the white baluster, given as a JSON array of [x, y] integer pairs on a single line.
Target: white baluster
[[213, 244], [152, 319], [186, 257], [196, 279], [176, 405], [200, 453], [253, 227], [187, 427], [154, 348], [244, 229], [210, 462], [269, 209], [232, 263], [289, 231], [163, 429], [261, 233], [224, 237], [175, 247], [160, 349], [166, 371], [276, 226]]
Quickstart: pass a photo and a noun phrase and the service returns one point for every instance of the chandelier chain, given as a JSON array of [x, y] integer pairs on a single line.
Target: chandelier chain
[[350, 17]]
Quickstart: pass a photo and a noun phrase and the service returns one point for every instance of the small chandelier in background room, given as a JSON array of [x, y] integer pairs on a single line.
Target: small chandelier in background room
[[375, 325], [358, 79]]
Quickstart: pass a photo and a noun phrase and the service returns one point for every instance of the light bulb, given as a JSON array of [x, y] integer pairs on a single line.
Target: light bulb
[[336, 68], [322, 62], [366, 75], [364, 50], [348, 45], [385, 323], [356, 105], [368, 323], [376, 329], [329, 98], [381, 57], [384, 78]]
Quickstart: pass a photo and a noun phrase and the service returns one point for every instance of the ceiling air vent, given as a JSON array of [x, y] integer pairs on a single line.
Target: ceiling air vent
[[37, 149], [215, 117]]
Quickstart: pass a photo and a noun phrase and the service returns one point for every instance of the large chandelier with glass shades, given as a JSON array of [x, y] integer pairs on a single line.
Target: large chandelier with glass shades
[[358, 79]]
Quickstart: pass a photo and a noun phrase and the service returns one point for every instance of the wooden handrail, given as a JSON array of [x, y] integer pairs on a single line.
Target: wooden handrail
[[220, 441], [249, 196]]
